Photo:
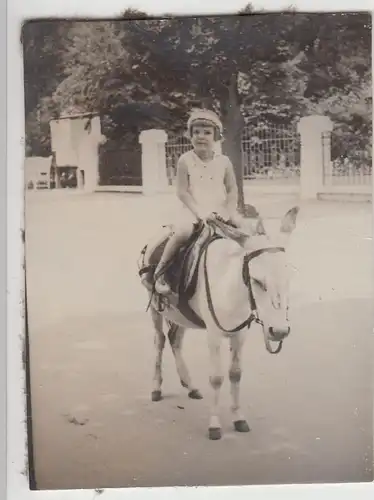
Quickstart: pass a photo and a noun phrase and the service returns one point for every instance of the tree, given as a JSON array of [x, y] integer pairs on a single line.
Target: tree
[[331, 75], [101, 76], [43, 45]]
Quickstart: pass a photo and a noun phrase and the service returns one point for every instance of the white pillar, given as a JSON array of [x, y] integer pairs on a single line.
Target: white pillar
[[311, 129], [77, 145], [62, 142], [88, 154], [154, 176]]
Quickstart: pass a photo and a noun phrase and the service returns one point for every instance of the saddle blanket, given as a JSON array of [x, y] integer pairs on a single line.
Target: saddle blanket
[[182, 272]]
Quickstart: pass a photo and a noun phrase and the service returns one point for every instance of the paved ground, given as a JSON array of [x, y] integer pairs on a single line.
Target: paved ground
[[310, 408]]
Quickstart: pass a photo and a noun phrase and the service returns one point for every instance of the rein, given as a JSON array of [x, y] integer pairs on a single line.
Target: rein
[[253, 317]]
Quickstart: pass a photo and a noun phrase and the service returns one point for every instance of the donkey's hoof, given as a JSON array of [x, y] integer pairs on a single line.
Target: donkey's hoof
[[241, 426], [195, 394], [156, 396], [215, 433]]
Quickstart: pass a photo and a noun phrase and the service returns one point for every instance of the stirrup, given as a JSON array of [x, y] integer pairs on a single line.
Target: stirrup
[[161, 288]]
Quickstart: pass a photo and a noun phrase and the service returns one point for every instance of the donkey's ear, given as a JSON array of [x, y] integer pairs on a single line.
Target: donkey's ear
[[250, 211], [288, 222], [260, 228]]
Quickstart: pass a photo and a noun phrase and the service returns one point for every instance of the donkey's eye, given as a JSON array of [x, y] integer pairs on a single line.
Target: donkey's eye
[[260, 284]]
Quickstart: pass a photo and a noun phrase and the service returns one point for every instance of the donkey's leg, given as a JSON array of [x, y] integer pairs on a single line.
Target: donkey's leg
[[235, 373], [159, 340], [216, 381], [176, 335]]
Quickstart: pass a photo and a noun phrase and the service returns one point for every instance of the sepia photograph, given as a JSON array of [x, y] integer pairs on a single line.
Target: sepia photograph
[[198, 249]]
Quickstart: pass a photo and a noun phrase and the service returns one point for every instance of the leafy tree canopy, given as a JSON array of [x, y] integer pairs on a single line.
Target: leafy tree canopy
[[141, 72]]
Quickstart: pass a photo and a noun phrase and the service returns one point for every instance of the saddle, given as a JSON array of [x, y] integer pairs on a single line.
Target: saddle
[[181, 272]]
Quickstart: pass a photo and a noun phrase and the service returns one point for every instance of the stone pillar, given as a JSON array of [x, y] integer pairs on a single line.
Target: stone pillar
[[75, 144], [311, 129], [154, 176], [88, 155]]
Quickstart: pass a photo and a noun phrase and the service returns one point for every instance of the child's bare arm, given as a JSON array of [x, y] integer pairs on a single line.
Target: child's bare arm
[[231, 189], [182, 185]]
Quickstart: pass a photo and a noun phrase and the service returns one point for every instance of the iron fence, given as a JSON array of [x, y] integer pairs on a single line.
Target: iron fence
[[174, 148], [347, 159], [120, 167], [267, 151], [270, 151]]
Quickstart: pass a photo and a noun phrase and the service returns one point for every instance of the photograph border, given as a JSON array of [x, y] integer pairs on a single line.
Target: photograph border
[[3, 265], [17, 444]]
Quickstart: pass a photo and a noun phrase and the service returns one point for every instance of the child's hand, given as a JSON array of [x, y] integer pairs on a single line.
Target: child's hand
[[210, 217], [213, 217], [205, 218], [201, 216]]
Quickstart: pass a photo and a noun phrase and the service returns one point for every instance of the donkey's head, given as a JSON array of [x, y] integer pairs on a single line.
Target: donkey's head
[[268, 275]]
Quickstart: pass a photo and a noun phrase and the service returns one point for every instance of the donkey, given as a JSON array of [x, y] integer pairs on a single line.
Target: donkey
[[238, 280]]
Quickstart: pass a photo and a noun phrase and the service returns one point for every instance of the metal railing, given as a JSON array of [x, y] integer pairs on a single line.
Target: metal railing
[[270, 151], [347, 159], [267, 151], [174, 148]]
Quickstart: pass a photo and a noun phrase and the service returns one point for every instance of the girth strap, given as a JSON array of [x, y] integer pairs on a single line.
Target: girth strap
[[245, 323]]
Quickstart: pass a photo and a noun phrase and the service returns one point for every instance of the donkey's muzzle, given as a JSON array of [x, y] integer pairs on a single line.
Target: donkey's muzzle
[[279, 334]]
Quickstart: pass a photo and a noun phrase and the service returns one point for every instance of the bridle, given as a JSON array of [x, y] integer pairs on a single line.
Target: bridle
[[253, 317]]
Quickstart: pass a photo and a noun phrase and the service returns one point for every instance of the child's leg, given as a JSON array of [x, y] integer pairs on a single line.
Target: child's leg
[[180, 235]]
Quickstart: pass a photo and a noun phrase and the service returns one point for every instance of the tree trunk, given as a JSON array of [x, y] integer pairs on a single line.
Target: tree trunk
[[233, 122]]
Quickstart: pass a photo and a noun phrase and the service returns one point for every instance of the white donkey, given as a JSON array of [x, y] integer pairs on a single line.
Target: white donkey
[[237, 282]]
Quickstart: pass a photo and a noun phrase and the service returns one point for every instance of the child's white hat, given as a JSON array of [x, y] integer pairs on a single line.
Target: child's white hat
[[204, 116]]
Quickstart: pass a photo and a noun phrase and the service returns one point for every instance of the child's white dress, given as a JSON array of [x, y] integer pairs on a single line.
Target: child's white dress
[[206, 184]]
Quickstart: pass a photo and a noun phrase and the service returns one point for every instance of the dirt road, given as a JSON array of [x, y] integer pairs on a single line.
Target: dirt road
[[310, 408]]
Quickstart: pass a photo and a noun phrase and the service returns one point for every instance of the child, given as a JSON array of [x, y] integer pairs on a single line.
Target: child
[[205, 183]]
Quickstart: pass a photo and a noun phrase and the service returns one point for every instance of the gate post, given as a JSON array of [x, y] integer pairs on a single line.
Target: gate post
[[88, 155], [154, 176], [311, 129], [75, 142]]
